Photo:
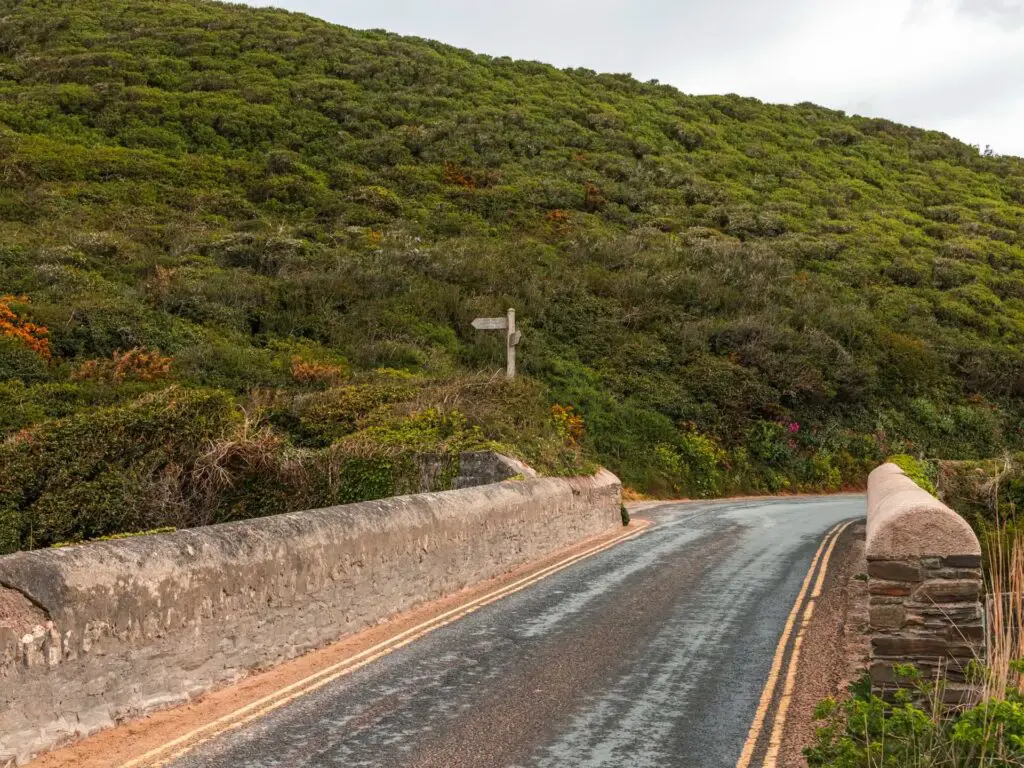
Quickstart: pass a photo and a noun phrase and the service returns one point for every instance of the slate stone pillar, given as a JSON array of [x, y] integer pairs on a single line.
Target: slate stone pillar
[[925, 585]]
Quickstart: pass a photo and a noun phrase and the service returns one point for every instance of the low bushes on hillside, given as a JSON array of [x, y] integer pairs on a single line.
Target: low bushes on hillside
[[181, 457], [729, 296]]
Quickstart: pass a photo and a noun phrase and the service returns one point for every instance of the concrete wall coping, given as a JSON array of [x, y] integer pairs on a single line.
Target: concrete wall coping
[[906, 521]]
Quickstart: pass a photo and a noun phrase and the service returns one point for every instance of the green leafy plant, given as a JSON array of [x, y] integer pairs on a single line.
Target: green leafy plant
[[919, 471], [915, 730]]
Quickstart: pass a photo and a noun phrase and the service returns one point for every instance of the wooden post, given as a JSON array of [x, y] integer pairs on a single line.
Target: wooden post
[[512, 337], [511, 340]]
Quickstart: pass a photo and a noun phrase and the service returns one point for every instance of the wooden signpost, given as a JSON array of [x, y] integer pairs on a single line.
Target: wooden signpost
[[512, 336]]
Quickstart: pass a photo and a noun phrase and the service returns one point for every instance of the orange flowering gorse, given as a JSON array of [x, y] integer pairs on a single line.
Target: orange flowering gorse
[[136, 364], [32, 335], [305, 372], [469, 179], [558, 219], [569, 424]]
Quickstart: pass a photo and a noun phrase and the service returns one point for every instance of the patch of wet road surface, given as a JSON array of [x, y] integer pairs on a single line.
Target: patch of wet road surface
[[650, 654]]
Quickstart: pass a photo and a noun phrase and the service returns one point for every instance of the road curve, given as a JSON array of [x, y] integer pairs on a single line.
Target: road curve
[[652, 654]]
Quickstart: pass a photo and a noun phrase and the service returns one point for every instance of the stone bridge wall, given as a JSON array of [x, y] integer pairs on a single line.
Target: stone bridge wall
[[924, 582], [111, 630]]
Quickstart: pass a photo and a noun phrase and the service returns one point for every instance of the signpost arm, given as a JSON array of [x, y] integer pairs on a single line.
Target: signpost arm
[[510, 340], [512, 336]]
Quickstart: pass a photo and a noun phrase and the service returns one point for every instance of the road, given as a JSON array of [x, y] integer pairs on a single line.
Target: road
[[651, 653]]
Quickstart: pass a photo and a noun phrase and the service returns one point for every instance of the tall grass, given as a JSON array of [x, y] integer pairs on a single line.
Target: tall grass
[[1004, 550]]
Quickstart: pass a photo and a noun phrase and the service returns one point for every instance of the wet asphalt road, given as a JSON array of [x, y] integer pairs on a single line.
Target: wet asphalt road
[[650, 654]]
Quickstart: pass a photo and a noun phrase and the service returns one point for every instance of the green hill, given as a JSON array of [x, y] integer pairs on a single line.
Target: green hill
[[205, 207]]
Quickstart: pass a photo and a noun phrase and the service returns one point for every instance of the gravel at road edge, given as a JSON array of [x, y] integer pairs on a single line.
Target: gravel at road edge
[[836, 645]]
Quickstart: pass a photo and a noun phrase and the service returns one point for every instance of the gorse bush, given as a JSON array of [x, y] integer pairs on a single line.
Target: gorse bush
[[279, 205], [135, 364], [14, 327], [185, 457]]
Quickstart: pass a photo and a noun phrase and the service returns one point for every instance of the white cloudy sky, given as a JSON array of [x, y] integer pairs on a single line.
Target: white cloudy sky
[[952, 65]]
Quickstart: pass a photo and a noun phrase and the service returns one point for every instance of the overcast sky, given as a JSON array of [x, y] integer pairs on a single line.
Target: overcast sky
[[951, 65]]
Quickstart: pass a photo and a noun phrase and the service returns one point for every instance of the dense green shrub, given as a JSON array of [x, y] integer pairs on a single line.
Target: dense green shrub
[[821, 473], [19, 363], [83, 476], [319, 419], [921, 472], [692, 465]]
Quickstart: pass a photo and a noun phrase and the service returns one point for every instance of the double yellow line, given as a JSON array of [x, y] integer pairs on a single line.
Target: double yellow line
[[757, 728], [174, 749]]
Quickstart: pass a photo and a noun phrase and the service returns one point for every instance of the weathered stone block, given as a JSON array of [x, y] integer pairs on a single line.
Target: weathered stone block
[[881, 672], [890, 588], [962, 561], [958, 694], [975, 633], [888, 599], [949, 591], [955, 690], [917, 647], [947, 613], [895, 570], [887, 616], [906, 522]]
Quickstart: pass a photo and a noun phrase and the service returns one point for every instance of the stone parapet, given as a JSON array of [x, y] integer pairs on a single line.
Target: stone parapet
[[485, 467], [113, 630], [924, 585]]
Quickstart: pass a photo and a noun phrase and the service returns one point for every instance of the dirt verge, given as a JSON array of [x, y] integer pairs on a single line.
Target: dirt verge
[[835, 647]]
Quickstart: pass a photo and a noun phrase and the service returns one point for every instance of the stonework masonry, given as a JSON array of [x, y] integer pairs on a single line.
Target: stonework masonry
[[125, 627], [924, 585], [485, 467]]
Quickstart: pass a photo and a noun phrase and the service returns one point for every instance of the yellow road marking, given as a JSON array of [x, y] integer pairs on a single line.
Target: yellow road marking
[[754, 734], [189, 741], [775, 741]]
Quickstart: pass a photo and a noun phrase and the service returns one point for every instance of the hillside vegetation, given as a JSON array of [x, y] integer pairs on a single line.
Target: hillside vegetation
[[240, 250]]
